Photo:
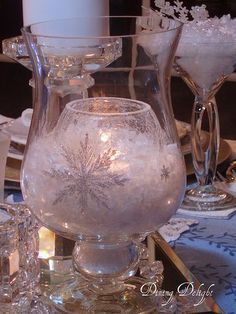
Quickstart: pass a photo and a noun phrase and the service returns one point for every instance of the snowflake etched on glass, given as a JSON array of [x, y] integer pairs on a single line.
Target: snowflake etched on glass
[[165, 173], [87, 176]]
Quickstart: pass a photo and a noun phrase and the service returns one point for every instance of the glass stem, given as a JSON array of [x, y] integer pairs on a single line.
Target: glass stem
[[205, 158], [106, 265]]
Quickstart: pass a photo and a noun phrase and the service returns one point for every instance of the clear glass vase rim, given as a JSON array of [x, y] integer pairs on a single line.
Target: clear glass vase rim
[[179, 25], [146, 107]]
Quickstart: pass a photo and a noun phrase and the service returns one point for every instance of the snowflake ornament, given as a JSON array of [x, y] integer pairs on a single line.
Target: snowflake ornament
[[199, 13], [178, 12]]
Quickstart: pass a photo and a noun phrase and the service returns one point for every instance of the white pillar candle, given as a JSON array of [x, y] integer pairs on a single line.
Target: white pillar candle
[[35, 11]]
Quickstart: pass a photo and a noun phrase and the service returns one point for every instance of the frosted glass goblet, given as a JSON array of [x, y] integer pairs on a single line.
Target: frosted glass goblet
[[112, 179]]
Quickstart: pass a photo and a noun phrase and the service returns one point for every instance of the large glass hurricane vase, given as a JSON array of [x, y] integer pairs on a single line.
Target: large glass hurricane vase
[[107, 175]]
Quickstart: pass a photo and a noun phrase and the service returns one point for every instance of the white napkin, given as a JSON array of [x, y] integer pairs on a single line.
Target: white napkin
[[26, 117], [4, 119], [175, 227]]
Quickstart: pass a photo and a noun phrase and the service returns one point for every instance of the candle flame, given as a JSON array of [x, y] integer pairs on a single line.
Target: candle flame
[[46, 243], [105, 137]]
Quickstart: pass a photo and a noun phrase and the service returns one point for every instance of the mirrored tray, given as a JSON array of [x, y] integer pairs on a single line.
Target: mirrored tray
[[12, 173], [176, 273]]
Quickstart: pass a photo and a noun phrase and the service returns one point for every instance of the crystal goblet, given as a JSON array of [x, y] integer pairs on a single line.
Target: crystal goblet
[[105, 179], [204, 64], [107, 174]]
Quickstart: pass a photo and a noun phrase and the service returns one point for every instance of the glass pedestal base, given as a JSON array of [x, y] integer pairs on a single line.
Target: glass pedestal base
[[79, 297], [135, 290], [208, 198]]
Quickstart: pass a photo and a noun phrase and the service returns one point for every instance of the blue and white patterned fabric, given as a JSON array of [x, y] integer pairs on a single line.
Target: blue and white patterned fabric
[[13, 196], [208, 249]]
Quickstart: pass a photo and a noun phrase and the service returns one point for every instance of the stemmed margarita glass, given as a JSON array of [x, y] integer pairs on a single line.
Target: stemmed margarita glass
[[205, 57], [107, 175]]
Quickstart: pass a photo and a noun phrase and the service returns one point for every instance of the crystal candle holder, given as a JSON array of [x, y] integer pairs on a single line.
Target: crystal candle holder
[[19, 256], [9, 258]]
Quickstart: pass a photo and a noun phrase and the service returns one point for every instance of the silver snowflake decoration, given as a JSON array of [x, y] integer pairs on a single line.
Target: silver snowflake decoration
[[178, 12], [165, 173], [181, 11], [199, 13], [87, 175]]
